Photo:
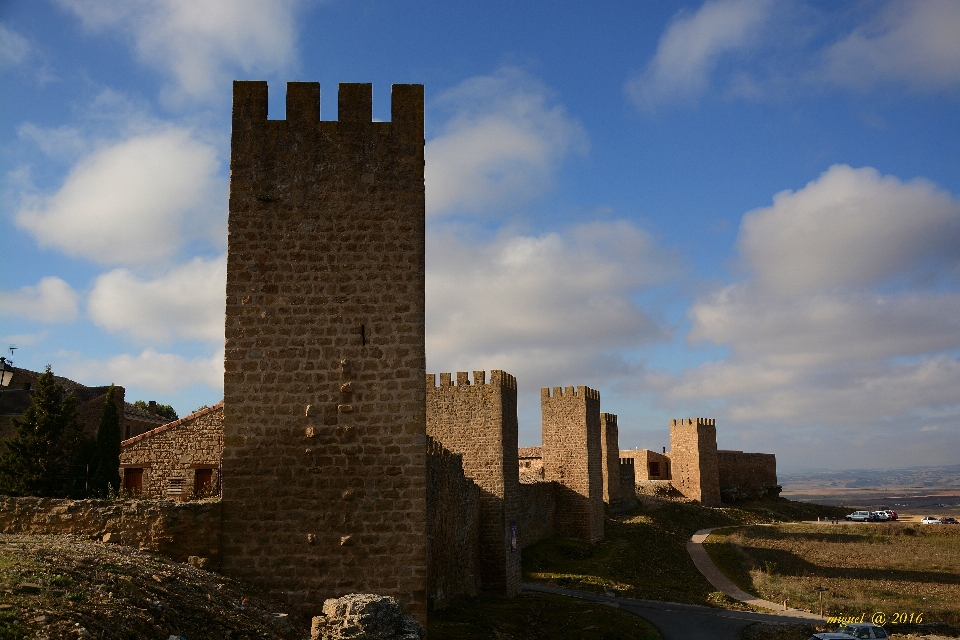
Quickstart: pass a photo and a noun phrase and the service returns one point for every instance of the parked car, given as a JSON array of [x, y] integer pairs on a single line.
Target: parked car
[[949, 521], [929, 520], [830, 636], [859, 516], [892, 514], [863, 630], [879, 516]]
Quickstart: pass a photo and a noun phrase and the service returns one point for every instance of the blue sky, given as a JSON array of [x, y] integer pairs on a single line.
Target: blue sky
[[740, 210]]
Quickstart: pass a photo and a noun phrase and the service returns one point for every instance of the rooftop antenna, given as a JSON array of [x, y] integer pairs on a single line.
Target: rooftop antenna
[[12, 349]]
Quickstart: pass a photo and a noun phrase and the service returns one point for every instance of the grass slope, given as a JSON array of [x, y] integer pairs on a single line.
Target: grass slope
[[644, 553], [886, 567]]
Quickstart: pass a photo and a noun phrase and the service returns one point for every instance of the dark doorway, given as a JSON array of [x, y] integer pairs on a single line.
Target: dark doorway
[[203, 482], [133, 480]]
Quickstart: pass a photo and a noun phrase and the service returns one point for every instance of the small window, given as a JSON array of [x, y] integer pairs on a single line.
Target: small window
[[654, 469], [203, 482]]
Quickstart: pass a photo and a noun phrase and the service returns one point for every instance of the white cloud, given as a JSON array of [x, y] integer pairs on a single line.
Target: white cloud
[[133, 202], [849, 315], [691, 47], [187, 302], [545, 308], [199, 44], [500, 145], [911, 43], [150, 371], [50, 300], [61, 143], [14, 48], [849, 228]]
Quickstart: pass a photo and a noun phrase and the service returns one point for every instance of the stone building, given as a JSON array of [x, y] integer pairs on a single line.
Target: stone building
[[89, 401], [324, 462], [531, 461], [137, 420], [179, 460]]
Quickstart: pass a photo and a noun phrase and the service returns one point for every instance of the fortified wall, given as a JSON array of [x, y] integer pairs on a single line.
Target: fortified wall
[[693, 454], [324, 460], [747, 476]]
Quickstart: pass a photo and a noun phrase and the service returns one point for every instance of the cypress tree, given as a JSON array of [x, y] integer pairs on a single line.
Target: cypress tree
[[106, 476], [37, 461]]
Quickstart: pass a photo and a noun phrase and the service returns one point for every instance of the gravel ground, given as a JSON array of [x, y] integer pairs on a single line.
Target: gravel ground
[[64, 587]]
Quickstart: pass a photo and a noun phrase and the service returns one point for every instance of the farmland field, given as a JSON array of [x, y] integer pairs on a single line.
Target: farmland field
[[868, 568]]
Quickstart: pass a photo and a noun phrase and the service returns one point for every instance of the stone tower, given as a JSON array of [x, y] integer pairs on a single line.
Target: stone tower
[[693, 457], [610, 454], [324, 461], [573, 459], [479, 422]]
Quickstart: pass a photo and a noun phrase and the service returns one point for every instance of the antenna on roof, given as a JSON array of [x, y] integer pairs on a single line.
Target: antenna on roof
[[12, 349]]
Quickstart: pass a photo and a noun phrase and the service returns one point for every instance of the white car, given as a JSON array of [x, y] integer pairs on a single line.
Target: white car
[[929, 520], [859, 516]]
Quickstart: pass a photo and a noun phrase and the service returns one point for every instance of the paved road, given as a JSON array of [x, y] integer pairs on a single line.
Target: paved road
[[677, 621]]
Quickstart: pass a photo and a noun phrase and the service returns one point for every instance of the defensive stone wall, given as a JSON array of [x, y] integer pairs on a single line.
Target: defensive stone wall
[[572, 458], [324, 463], [177, 530], [747, 476], [479, 422], [538, 510], [610, 456], [179, 460], [693, 455], [453, 522]]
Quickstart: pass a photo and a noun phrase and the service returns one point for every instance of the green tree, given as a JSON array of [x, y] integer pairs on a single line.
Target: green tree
[[163, 410], [106, 474], [37, 461]]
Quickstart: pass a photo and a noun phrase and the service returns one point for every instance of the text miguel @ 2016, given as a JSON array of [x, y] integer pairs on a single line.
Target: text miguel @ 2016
[[879, 618]]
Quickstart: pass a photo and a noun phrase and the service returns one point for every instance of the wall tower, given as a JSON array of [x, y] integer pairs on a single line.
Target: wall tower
[[573, 459], [693, 457], [610, 454], [479, 422], [324, 461]]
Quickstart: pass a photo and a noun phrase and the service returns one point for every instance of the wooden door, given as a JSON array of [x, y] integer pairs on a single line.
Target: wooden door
[[133, 480], [203, 481]]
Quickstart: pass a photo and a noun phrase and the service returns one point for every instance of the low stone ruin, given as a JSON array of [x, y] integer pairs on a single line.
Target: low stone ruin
[[364, 616]]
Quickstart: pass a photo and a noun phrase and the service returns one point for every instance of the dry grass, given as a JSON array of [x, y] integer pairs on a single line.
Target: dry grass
[[885, 567]]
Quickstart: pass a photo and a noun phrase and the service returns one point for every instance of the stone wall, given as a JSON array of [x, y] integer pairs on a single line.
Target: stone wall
[[610, 457], [171, 455], [324, 463], [537, 510], [747, 476], [177, 530], [453, 523], [572, 458], [531, 461], [693, 455], [479, 422]]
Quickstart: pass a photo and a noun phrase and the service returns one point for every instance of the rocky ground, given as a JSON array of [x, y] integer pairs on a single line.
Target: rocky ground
[[63, 587]]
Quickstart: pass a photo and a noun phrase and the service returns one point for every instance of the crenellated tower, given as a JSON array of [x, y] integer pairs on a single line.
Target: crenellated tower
[[324, 461], [572, 458], [479, 422], [693, 457], [610, 454]]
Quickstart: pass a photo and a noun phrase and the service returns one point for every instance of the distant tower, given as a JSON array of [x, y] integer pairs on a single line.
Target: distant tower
[[572, 458], [693, 456], [610, 453], [324, 462], [479, 421]]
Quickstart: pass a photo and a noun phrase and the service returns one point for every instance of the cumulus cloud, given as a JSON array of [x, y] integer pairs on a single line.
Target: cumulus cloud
[[691, 48], [50, 300], [187, 302], [200, 44], [150, 371], [546, 307], [849, 314], [135, 201], [501, 142], [849, 228], [14, 48], [912, 43]]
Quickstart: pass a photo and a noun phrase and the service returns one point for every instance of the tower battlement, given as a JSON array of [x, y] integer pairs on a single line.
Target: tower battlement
[[689, 422], [568, 392], [498, 378], [354, 106]]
